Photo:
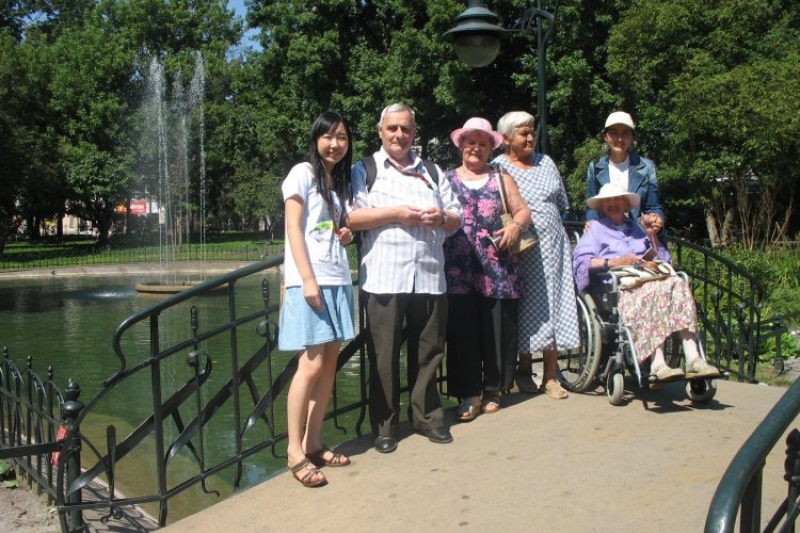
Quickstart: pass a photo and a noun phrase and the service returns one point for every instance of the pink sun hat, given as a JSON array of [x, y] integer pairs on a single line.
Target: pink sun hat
[[476, 124]]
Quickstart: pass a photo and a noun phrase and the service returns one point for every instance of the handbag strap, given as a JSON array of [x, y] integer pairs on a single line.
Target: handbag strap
[[502, 188]]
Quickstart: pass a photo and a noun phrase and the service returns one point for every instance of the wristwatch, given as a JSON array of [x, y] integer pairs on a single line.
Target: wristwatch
[[605, 263], [444, 217]]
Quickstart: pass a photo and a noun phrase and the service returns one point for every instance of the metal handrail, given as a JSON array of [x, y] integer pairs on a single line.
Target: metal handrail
[[193, 396], [729, 307], [740, 486]]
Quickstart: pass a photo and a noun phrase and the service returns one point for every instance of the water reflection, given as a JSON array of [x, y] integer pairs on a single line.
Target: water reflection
[[68, 323]]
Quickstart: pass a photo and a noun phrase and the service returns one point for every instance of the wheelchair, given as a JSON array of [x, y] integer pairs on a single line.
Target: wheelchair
[[607, 352]]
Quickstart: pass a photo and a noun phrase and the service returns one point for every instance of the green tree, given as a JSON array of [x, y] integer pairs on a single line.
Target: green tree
[[90, 75], [32, 191], [12, 136], [714, 85], [259, 199], [357, 58]]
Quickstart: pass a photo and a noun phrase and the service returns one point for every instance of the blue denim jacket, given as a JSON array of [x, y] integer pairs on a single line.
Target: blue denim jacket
[[641, 179]]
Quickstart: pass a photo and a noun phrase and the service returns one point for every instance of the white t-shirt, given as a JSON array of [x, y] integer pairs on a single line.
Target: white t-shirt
[[327, 255], [618, 172]]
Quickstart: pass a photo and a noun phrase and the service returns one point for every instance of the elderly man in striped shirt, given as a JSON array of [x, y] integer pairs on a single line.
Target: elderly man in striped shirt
[[404, 215]]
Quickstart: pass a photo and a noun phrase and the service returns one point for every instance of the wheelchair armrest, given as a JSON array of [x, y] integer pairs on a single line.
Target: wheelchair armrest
[[602, 277], [603, 289]]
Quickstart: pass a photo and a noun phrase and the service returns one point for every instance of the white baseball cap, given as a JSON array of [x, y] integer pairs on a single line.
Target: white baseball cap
[[619, 117]]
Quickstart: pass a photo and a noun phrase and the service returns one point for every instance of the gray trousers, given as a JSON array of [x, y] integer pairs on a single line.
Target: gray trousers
[[425, 318]]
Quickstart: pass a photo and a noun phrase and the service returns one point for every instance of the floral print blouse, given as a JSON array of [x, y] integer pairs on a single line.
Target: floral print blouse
[[473, 265]]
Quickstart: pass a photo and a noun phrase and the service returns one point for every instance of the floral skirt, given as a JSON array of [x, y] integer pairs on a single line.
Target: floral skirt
[[656, 310]]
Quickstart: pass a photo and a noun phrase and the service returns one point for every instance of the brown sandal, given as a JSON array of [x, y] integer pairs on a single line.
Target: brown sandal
[[306, 480], [318, 458]]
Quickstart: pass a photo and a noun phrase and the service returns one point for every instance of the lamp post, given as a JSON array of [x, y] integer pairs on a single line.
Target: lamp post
[[476, 41]]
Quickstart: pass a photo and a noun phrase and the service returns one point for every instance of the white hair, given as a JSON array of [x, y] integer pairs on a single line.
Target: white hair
[[397, 108], [513, 120]]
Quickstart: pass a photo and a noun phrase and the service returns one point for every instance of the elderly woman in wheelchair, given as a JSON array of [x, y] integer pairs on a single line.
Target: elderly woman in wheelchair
[[652, 301]]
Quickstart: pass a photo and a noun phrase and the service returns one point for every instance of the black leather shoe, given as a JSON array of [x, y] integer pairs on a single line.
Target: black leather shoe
[[440, 435], [384, 444]]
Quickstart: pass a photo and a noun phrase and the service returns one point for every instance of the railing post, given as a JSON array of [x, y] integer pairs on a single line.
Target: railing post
[[71, 411], [791, 468]]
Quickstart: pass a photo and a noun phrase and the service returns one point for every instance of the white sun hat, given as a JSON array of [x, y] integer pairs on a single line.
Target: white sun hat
[[612, 190], [619, 117]]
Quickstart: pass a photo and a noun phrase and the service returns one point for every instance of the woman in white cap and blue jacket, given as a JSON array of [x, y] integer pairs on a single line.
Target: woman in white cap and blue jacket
[[628, 169]]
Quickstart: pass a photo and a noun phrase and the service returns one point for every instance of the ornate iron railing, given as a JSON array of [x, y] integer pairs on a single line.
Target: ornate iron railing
[[222, 376], [186, 400], [30, 417], [225, 376]]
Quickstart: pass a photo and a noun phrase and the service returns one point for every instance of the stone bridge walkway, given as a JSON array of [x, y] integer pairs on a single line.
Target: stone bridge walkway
[[579, 465]]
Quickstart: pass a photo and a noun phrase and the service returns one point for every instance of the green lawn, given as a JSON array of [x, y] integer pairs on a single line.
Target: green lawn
[[77, 251]]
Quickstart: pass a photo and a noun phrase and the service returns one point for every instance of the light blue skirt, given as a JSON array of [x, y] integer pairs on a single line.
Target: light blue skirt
[[301, 325]]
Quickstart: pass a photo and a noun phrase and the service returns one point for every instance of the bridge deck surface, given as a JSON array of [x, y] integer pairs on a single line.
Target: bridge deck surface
[[579, 465]]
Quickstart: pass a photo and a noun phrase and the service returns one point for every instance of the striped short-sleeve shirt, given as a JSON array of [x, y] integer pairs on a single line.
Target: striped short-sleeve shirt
[[397, 258]]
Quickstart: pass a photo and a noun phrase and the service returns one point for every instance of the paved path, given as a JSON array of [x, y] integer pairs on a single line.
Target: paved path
[[211, 268], [579, 465]]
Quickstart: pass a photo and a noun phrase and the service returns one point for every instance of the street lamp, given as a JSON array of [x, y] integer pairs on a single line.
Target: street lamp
[[476, 41]]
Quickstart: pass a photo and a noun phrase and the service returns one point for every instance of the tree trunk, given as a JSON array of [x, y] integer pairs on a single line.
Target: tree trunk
[[711, 227], [727, 232]]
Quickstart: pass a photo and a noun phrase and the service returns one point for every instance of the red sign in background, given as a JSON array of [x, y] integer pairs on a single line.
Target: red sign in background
[[138, 207]]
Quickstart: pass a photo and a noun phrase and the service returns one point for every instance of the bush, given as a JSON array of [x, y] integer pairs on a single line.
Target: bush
[[790, 347], [779, 271]]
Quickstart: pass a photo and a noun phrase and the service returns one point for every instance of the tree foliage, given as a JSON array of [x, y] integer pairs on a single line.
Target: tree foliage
[[712, 85], [715, 85]]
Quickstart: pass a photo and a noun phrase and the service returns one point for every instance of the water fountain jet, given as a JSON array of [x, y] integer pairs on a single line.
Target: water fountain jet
[[176, 117]]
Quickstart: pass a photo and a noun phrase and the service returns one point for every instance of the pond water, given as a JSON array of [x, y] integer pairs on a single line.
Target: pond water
[[69, 322]]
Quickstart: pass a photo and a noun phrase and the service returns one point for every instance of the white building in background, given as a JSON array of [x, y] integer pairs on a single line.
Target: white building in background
[[73, 226]]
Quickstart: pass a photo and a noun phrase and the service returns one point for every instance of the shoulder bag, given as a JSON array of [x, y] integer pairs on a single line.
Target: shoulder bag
[[526, 238]]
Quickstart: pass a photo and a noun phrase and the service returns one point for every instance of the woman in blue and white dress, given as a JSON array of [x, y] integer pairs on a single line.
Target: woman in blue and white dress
[[317, 312], [548, 317]]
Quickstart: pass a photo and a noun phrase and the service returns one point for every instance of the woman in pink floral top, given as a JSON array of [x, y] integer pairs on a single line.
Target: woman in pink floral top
[[483, 279]]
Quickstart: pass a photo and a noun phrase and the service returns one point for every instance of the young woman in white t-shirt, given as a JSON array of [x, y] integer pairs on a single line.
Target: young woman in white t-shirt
[[628, 169], [317, 312]]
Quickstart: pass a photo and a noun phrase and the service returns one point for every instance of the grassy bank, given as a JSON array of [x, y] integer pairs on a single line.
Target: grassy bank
[[80, 251]]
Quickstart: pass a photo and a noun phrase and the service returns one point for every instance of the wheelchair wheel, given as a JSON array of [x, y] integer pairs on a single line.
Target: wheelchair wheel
[[577, 368], [615, 388], [701, 390]]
